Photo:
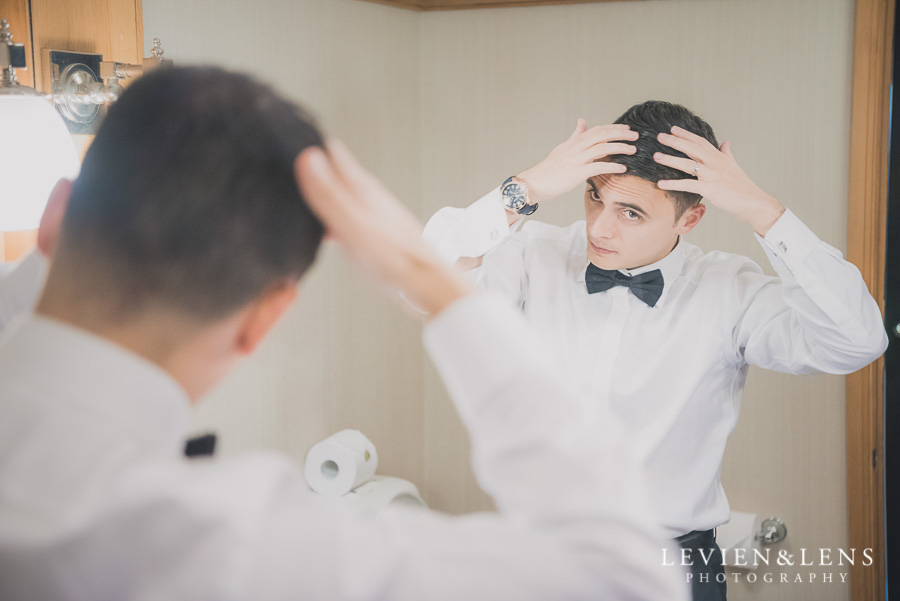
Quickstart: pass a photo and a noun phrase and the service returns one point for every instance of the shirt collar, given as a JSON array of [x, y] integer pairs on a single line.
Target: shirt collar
[[670, 266], [65, 364]]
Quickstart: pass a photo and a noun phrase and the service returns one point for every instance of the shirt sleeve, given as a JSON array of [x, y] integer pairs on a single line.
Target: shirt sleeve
[[21, 286], [469, 232], [482, 230], [573, 522], [817, 317], [503, 269]]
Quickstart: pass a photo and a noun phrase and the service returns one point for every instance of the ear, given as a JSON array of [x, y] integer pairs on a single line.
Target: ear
[[263, 314], [54, 212], [690, 218]]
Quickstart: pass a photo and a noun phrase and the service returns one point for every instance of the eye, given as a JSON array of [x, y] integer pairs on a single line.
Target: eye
[[631, 215], [594, 195]]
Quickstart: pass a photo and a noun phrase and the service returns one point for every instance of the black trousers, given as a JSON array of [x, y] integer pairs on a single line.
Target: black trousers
[[707, 573]]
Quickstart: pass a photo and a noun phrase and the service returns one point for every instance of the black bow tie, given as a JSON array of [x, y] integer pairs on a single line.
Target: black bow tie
[[647, 286]]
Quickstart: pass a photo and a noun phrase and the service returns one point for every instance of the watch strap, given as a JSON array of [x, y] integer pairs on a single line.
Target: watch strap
[[528, 209]]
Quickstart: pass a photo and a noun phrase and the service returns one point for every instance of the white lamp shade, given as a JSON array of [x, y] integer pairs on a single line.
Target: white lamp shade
[[36, 151]]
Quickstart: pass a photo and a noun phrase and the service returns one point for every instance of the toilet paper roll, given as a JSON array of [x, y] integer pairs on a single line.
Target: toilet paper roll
[[340, 463], [370, 498], [737, 539]]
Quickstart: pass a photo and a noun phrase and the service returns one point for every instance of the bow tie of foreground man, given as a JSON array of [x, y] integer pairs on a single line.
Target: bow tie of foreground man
[[175, 251], [670, 361]]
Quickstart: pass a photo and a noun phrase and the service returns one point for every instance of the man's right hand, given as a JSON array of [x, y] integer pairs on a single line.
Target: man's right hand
[[375, 229], [578, 159]]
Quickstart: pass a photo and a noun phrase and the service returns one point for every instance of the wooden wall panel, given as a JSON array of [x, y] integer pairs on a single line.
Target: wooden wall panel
[[16, 12], [867, 218], [113, 28], [409, 4]]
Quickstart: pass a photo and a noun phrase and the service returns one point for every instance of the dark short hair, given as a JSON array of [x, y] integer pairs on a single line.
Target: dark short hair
[[187, 196], [649, 119]]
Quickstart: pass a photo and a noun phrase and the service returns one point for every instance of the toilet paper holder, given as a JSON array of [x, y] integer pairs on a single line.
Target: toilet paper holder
[[771, 531]]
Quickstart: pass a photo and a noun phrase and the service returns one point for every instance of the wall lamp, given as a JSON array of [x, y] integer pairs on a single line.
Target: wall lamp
[[37, 148]]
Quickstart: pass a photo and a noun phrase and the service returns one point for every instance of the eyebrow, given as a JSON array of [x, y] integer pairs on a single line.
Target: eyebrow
[[625, 205]]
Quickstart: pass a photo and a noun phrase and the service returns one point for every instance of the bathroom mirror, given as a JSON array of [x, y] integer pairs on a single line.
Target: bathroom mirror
[[443, 106]]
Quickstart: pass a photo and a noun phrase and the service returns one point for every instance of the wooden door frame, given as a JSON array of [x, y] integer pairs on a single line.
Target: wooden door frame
[[866, 232]]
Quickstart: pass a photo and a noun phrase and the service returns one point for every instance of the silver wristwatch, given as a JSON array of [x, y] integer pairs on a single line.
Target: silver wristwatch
[[515, 196]]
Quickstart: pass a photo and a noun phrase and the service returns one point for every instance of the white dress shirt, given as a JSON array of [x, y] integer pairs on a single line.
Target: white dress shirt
[[20, 284], [98, 503], [674, 373]]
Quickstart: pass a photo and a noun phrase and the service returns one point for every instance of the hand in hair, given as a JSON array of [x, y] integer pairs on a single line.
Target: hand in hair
[[375, 229], [578, 159], [719, 179]]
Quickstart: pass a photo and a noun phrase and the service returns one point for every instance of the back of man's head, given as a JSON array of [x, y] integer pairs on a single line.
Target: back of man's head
[[650, 119], [187, 201]]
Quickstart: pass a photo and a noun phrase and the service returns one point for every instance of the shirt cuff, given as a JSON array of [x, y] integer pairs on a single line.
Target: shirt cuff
[[789, 240], [487, 220]]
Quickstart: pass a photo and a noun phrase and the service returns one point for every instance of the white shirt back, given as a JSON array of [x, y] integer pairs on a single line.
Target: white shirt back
[[98, 502]]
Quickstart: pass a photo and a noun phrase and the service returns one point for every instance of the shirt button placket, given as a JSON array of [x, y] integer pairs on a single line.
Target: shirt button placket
[[607, 346]]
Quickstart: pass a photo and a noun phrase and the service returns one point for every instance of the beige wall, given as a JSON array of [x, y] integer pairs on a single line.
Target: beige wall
[[344, 357], [443, 106], [772, 76]]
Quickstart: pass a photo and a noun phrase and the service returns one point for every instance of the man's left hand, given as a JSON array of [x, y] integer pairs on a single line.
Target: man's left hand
[[375, 229], [718, 178]]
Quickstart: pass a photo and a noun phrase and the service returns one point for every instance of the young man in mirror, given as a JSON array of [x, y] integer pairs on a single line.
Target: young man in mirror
[[658, 333]]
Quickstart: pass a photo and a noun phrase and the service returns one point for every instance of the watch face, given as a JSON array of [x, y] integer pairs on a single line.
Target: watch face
[[515, 196]]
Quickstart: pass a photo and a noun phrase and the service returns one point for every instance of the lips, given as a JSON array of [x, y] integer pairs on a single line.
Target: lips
[[600, 251]]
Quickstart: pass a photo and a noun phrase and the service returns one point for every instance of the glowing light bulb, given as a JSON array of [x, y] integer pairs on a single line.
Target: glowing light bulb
[[36, 151]]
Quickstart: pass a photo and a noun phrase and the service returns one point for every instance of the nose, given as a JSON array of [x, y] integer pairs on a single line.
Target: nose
[[604, 226]]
